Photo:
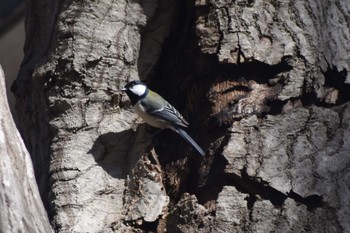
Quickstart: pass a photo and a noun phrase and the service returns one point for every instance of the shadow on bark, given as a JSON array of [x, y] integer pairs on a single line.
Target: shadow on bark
[[112, 153]]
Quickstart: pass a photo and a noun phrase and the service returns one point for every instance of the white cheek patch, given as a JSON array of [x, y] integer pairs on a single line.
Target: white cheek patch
[[138, 89]]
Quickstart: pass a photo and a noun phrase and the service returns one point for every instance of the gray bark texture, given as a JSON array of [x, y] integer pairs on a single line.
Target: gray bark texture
[[264, 85], [21, 208]]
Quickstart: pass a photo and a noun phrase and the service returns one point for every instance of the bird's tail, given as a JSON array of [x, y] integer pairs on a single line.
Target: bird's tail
[[187, 137]]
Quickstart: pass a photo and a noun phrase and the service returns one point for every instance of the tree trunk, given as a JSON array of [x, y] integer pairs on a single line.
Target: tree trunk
[[263, 84], [21, 209]]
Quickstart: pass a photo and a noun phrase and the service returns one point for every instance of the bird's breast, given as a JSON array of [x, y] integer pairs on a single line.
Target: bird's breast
[[148, 118]]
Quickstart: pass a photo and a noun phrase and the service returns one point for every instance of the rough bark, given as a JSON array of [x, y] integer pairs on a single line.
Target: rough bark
[[263, 84], [21, 208], [287, 64], [79, 131]]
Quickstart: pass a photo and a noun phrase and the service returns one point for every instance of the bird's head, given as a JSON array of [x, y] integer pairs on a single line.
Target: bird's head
[[135, 90]]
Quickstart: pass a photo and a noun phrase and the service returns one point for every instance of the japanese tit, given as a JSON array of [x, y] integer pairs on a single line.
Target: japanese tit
[[157, 112]]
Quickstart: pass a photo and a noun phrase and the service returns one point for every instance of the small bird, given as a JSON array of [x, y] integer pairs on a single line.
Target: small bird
[[157, 112]]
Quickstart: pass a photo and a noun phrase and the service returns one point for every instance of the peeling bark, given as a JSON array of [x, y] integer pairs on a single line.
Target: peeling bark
[[280, 72], [312, 35], [299, 155]]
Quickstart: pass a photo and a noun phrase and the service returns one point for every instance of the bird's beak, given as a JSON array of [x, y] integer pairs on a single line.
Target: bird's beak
[[123, 89]]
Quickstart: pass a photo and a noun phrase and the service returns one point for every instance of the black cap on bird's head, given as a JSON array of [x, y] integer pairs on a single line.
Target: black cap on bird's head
[[135, 90]]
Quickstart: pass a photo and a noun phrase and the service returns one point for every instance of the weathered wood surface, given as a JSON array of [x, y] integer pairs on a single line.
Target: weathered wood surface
[[21, 208], [264, 85]]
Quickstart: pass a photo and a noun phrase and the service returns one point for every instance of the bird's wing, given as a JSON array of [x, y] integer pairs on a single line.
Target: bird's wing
[[163, 110], [169, 113]]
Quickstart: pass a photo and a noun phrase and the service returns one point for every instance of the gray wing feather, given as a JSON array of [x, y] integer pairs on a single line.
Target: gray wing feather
[[170, 114], [157, 106]]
